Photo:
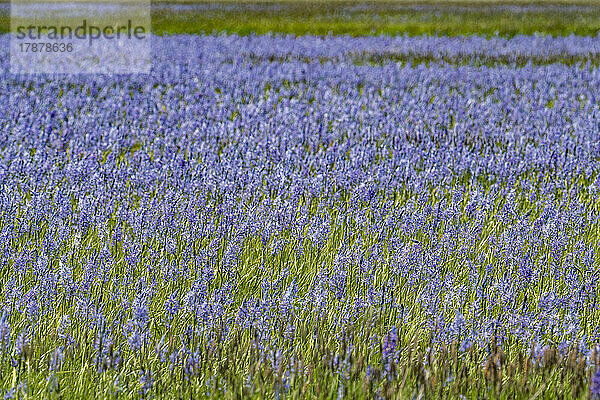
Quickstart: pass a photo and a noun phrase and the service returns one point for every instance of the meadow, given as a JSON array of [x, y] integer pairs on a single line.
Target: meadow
[[356, 18], [273, 215], [379, 17]]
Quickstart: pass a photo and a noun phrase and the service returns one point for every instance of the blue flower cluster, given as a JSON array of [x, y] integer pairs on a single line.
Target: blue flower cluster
[[280, 200]]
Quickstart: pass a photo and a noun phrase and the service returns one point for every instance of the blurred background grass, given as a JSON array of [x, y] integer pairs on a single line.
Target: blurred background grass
[[482, 17], [365, 18]]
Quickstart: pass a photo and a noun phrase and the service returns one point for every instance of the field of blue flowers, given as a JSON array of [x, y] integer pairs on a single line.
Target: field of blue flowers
[[305, 217]]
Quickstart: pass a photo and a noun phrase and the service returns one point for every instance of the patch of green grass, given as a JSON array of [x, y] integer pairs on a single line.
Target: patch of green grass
[[378, 18], [367, 18]]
